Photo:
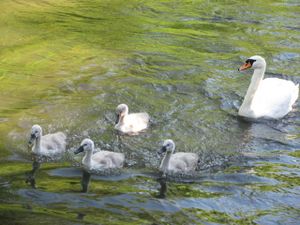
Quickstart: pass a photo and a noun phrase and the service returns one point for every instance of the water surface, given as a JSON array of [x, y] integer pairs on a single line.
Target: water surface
[[66, 65]]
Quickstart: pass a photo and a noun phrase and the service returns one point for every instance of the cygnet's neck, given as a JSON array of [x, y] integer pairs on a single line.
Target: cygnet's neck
[[257, 77], [165, 162], [37, 145], [121, 120], [87, 159]]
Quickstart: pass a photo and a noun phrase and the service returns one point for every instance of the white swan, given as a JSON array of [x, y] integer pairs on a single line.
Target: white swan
[[267, 98], [181, 162], [47, 145], [130, 123], [99, 160]]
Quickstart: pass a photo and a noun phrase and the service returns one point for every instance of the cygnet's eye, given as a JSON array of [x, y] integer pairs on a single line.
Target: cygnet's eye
[[36, 131]]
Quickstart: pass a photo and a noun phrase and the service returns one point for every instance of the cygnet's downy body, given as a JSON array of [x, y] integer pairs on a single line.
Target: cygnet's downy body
[[48, 145], [181, 162], [132, 123], [100, 160]]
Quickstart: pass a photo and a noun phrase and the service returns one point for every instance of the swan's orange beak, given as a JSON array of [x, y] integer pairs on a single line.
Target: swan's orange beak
[[245, 66]]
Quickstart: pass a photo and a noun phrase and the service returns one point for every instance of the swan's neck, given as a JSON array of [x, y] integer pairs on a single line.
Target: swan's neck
[[165, 162], [87, 159], [37, 145], [256, 79]]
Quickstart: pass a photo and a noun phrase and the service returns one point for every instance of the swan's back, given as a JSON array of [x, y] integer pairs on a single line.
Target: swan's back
[[275, 98], [183, 162], [295, 94], [108, 159], [53, 143]]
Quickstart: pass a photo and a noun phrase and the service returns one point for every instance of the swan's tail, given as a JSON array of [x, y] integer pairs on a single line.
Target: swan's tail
[[296, 94]]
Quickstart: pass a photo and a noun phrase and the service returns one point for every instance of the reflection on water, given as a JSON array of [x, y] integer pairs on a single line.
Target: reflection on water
[[85, 180], [163, 187], [32, 174], [67, 64]]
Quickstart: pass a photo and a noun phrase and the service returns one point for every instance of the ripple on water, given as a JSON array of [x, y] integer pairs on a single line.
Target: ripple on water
[[67, 69]]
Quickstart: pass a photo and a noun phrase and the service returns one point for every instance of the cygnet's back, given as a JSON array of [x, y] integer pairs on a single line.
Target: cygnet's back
[[108, 159], [183, 162], [54, 142]]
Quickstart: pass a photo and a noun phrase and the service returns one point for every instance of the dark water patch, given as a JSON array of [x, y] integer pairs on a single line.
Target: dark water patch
[[79, 201], [293, 28]]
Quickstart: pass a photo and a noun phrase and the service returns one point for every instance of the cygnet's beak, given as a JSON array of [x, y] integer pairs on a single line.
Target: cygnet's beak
[[245, 66], [31, 140], [162, 150], [80, 149], [117, 118]]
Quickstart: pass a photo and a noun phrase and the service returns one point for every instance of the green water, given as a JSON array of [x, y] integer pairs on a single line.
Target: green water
[[66, 65]]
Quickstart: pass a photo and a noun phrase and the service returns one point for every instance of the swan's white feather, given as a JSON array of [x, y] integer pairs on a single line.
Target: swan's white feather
[[274, 98], [267, 98]]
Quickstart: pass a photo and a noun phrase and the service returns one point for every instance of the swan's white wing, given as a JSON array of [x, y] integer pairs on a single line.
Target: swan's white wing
[[274, 98]]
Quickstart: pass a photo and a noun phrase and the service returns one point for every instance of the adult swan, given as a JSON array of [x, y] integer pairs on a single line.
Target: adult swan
[[271, 98]]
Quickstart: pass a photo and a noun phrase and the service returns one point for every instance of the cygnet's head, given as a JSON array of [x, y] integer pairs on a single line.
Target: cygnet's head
[[255, 62], [36, 132], [121, 111], [168, 147], [86, 145]]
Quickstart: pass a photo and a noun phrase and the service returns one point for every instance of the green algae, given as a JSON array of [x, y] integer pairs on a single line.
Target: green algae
[[295, 154], [190, 191], [273, 170]]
